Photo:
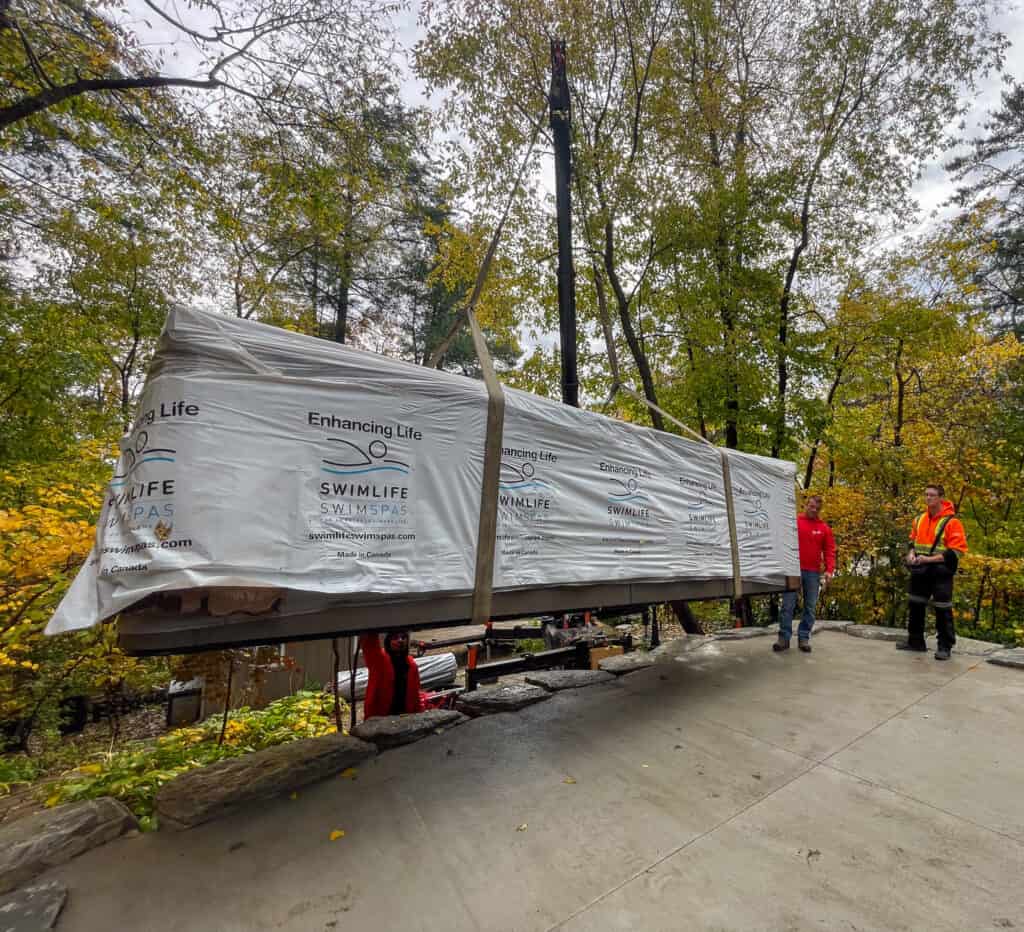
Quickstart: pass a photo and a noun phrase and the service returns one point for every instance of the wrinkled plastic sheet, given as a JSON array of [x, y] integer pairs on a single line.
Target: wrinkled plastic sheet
[[264, 458], [436, 672]]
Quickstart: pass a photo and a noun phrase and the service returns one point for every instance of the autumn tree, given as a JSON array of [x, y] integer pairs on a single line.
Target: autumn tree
[[725, 153]]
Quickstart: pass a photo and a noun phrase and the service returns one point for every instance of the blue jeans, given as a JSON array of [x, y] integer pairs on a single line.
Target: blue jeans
[[810, 583]]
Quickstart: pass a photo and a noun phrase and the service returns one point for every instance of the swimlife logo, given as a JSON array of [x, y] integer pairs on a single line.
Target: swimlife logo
[[352, 460], [628, 504], [521, 490], [755, 517], [367, 485], [514, 478], [628, 491], [700, 516], [136, 454], [140, 504]]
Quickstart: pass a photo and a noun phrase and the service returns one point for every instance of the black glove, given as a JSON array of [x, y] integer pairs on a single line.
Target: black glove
[[952, 560]]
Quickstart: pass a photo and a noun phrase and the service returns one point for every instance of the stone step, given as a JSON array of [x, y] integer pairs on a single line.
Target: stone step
[[218, 789]]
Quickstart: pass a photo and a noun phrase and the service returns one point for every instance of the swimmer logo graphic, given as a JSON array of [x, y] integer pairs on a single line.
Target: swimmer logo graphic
[[365, 488], [527, 502], [133, 504], [629, 506], [755, 515], [628, 491], [352, 460], [754, 520], [139, 509], [513, 478], [136, 455]]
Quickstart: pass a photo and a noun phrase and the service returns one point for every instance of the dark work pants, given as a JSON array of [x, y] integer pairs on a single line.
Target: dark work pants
[[938, 586]]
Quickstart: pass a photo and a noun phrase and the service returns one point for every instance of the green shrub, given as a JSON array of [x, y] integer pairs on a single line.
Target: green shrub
[[16, 769], [135, 774]]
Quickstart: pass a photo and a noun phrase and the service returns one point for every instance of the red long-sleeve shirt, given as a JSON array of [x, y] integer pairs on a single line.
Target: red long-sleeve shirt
[[817, 545], [380, 687]]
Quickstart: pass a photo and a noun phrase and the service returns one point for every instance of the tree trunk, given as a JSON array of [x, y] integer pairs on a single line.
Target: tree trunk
[[897, 428], [981, 596], [334, 686], [701, 422], [345, 266], [227, 699], [829, 402], [341, 302], [606, 320], [686, 618], [635, 347]]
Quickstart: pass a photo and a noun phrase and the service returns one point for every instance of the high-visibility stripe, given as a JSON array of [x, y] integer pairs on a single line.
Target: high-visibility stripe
[[936, 545]]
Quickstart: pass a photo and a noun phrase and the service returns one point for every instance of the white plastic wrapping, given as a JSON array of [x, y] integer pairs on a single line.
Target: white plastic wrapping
[[262, 458]]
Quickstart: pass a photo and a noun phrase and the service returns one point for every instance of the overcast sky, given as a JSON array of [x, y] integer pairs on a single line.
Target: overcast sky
[[934, 187], [931, 191]]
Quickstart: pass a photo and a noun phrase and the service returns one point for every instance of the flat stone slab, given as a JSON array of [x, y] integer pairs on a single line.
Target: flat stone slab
[[392, 731], [686, 643], [45, 839], [1010, 657], [627, 663], [34, 908], [554, 680], [493, 699], [741, 634], [974, 648], [877, 633], [210, 792], [830, 625]]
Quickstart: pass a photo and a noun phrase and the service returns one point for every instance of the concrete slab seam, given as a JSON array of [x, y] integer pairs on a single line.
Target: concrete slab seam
[[813, 765], [931, 692], [921, 802], [757, 738], [679, 848]]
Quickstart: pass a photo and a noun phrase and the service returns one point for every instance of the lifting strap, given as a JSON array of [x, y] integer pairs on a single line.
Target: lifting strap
[[487, 528], [483, 585], [723, 455]]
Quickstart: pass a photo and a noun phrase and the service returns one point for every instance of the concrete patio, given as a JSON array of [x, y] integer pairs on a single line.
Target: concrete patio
[[723, 788]]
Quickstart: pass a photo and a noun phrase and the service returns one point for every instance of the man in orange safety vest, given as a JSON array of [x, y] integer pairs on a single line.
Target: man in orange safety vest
[[937, 541]]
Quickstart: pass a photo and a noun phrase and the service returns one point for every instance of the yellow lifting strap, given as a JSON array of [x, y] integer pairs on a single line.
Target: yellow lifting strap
[[723, 455], [487, 528]]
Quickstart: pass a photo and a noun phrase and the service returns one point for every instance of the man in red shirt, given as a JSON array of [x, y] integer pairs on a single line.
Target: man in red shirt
[[817, 548], [393, 684]]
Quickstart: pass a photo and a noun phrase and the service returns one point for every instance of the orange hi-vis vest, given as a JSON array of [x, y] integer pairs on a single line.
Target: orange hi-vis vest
[[939, 534]]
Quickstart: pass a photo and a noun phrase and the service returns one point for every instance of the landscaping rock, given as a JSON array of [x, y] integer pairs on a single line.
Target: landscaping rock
[[877, 633], [34, 908], [45, 839], [392, 731], [831, 625], [627, 663], [974, 648], [1011, 657], [219, 789], [741, 634], [492, 699], [554, 680]]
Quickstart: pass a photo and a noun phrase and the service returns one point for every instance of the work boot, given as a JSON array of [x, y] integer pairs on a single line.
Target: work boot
[[804, 645], [781, 644], [906, 645], [942, 653]]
